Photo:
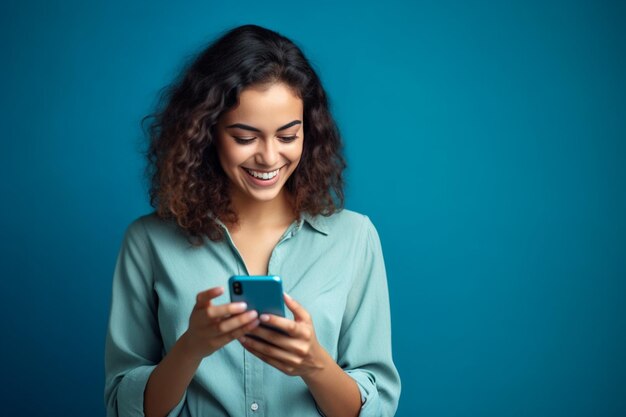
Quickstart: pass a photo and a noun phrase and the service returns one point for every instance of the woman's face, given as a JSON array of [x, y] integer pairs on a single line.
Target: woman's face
[[259, 142]]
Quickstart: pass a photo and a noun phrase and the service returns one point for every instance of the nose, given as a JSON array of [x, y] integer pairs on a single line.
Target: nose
[[267, 153]]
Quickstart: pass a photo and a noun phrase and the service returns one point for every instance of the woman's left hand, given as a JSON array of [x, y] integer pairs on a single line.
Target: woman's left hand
[[298, 352]]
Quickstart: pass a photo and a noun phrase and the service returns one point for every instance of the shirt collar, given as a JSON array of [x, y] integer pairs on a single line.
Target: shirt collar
[[317, 222]]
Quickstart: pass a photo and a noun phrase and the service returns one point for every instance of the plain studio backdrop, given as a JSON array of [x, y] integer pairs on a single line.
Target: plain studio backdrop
[[486, 140]]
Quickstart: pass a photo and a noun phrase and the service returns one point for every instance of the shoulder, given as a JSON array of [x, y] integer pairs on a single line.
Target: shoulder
[[150, 227], [349, 220], [343, 223]]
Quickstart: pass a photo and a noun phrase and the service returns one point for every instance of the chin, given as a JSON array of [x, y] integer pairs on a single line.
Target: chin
[[264, 196]]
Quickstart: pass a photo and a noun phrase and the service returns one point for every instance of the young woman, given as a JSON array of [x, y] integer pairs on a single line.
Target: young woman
[[246, 175]]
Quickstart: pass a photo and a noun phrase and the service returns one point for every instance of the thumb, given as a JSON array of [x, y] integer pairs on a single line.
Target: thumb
[[299, 313]]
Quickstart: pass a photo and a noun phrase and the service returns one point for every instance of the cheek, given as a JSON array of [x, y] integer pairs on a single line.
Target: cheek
[[231, 156], [296, 153]]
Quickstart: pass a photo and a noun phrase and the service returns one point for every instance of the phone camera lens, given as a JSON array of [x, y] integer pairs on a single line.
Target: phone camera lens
[[237, 288]]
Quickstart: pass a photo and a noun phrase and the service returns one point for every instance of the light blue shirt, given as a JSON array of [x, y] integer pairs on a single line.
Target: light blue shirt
[[333, 266]]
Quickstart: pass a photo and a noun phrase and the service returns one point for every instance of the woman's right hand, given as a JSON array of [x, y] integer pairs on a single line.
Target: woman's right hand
[[213, 326]]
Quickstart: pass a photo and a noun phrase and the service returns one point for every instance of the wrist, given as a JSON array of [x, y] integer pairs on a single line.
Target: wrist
[[186, 348], [323, 363]]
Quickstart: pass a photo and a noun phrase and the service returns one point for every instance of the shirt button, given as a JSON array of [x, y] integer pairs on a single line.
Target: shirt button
[[254, 406]]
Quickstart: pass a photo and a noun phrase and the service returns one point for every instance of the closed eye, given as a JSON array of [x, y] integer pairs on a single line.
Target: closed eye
[[288, 139], [245, 141]]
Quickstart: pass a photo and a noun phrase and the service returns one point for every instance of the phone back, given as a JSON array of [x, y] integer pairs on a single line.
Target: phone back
[[263, 293]]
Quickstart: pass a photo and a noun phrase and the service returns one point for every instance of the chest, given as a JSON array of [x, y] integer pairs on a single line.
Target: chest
[[255, 247], [319, 272]]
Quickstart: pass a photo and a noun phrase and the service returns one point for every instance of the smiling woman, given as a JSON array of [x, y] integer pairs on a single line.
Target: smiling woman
[[241, 84], [246, 179], [259, 166]]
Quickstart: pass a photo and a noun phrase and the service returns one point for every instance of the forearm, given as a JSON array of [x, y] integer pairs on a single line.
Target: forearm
[[335, 392], [169, 380]]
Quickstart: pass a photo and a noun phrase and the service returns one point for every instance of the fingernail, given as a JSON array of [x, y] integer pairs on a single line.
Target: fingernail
[[264, 317], [288, 296], [241, 306], [253, 314]]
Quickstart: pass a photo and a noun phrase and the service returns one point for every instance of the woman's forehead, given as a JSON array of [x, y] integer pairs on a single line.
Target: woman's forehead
[[265, 109]]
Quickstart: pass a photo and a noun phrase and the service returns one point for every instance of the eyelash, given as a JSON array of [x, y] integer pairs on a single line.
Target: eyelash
[[286, 139]]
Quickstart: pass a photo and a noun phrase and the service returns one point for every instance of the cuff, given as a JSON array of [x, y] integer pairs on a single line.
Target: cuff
[[370, 400], [131, 391]]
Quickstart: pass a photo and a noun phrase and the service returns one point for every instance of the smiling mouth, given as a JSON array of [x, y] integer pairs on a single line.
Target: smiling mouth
[[262, 175]]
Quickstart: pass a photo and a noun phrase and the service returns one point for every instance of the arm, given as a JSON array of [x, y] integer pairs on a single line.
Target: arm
[[364, 349], [335, 393], [300, 354], [137, 374], [168, 382], [133, 344], [210, 328]]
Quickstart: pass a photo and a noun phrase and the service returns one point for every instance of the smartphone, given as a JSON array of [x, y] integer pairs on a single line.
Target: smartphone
[[263, 293]]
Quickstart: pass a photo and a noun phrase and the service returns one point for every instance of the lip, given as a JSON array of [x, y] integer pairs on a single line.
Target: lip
[[263, 170], [258, 183]]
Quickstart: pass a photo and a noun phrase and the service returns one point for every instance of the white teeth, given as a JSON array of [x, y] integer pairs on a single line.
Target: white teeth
[[263, 175]]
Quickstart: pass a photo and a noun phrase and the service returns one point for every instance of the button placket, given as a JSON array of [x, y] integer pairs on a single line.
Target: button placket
[[257, 388], [275, 256]]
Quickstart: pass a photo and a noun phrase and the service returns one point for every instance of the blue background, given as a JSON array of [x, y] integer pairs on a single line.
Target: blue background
[[486, 140]]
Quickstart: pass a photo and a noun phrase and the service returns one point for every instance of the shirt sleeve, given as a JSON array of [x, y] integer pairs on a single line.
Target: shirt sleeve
[[133, 343], [364, 349]]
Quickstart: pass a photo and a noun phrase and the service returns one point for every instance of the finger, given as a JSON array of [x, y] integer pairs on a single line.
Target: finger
[[225, 310], [285, 368], [288, 343], [299, 313], [288, 369], [240, 320], [237, 333], [271, 351], [288, 326], [240, 332], [204, 297]]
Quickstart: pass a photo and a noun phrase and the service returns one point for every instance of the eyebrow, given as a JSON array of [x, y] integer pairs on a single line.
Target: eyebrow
[[254, 129]]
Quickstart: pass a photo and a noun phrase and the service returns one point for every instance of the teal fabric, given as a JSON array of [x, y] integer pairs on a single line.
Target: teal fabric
[[332, 265]]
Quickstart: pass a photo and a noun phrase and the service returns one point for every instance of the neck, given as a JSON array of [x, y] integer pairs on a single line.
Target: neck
[[260, 214]]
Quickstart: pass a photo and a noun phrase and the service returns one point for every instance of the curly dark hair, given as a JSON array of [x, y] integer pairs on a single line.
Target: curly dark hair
[[187, 183]]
